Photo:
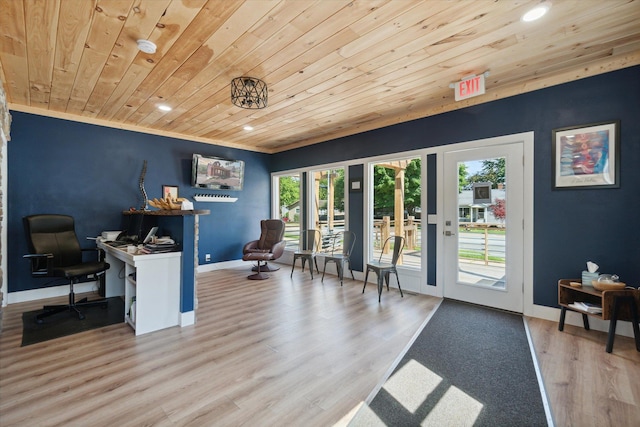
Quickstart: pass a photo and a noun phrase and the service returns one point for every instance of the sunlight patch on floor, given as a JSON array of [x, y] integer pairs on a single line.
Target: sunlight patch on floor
[[456, 408], [412, 384]]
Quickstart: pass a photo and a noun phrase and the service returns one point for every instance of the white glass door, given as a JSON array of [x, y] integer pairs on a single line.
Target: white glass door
[[483, 229]]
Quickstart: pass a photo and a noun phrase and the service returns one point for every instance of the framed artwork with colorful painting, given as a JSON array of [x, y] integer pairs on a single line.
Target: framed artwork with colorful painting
[[587, 156]]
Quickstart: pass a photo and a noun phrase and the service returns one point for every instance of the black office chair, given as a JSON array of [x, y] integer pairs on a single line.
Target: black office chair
[[348, 240], [310, 242], [55, 252], [384, 269]]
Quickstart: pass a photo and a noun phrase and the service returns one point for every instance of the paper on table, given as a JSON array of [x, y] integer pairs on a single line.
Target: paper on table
[[592, 267]]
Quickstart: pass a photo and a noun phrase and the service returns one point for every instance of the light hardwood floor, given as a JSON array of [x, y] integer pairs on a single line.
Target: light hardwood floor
[[284, 351], [588, 387]]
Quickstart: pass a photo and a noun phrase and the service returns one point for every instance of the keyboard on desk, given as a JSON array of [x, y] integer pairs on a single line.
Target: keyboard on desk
[[118, 243]]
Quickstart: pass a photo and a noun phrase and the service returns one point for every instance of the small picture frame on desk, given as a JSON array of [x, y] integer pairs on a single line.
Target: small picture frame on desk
[[171, 191]]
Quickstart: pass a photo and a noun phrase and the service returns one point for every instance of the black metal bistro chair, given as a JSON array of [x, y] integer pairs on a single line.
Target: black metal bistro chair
[[384, 269], [310, 242], [348, 240]]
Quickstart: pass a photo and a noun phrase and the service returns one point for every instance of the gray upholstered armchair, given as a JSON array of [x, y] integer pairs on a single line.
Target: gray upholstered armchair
[[268, 247]]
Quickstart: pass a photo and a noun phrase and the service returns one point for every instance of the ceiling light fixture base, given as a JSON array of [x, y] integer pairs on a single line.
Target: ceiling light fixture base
[[146, 46]]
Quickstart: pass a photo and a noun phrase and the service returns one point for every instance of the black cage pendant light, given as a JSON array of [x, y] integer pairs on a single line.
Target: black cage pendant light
[[249, 92]]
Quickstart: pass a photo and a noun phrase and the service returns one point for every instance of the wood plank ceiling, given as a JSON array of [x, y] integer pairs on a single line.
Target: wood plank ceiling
[[333, 67]]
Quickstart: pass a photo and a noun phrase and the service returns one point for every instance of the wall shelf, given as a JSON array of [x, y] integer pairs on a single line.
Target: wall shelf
[[167, 212], [214, 198]]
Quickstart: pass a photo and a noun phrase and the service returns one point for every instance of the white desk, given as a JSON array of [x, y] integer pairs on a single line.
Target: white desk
[[153, 280]]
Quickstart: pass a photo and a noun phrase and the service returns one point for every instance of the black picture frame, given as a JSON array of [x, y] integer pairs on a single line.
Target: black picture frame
[[586, 156], [481, 192]]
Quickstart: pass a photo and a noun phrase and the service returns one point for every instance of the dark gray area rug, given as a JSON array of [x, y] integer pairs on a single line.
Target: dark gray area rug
[[63, 324], [469, 366]]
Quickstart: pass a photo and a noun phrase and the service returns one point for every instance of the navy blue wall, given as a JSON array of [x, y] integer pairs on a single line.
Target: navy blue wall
[[355, 217], [570, 226], [92, 173]]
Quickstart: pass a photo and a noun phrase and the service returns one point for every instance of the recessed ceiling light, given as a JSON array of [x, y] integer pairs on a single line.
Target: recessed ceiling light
[[247, 128], [537, 12], [164, 108]]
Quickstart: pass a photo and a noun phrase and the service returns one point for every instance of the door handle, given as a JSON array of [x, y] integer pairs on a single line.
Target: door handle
[[448, 233]]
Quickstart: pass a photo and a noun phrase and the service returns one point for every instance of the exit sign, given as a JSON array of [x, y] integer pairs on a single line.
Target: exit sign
[[469, 87]]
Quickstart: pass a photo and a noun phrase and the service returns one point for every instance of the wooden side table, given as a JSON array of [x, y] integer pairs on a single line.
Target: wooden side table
[[616, 305]]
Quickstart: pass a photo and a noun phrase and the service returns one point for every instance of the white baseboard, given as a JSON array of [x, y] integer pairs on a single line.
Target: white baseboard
[[204, 268], [50, 292], [539, 311], [188, 318], [283, 262]]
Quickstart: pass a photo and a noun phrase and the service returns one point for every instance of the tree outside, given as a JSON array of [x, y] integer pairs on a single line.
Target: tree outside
[[289, 190], [412, 188], [499, 209], [384, 188], [493, 171], [463, 177], [337, 176]]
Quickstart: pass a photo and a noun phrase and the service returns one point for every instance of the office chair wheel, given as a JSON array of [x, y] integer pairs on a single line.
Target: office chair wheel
[[80, 316]]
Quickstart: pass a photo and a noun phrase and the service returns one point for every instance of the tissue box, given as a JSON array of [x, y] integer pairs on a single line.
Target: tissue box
[[588, 277]]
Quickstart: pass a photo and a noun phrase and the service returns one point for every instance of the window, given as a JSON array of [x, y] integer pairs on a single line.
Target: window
[[327, 204], [289, 208], [396, 207]]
